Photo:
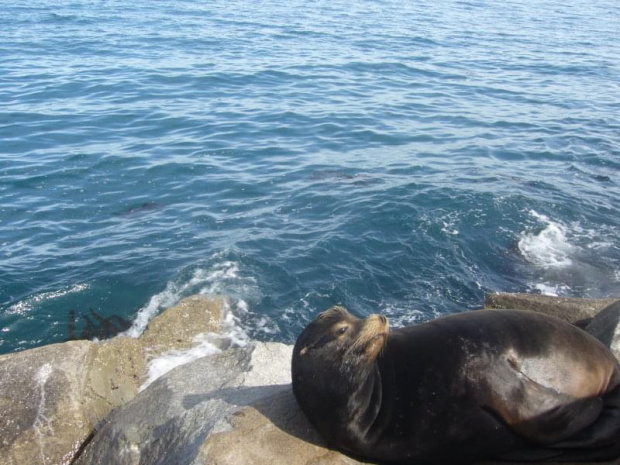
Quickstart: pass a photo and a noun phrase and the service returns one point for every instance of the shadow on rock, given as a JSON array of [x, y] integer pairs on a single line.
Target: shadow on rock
[[275, 403]]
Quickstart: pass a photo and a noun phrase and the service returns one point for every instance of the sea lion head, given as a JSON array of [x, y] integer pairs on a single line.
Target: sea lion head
[[340, 337], [334, 364]]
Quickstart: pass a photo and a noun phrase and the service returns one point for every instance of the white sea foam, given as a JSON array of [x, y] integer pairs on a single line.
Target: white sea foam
[[448, 228], [232, 332], [548, 248], [399, 316], [551, 289], [167, 298], [600, 245], [232, 335], [219, 277], [569, 258], [159, 366]]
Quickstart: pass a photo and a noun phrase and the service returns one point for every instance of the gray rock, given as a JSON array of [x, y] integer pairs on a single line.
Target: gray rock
[[569, 309], [233, 408], [52, 397], [605, 326], [272, 431], [42, 418]]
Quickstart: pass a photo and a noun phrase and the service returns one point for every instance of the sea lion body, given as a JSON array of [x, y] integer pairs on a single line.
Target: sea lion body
[[502, 384]]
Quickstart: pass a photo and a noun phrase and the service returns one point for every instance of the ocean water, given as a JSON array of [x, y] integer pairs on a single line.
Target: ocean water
[[395, 157]]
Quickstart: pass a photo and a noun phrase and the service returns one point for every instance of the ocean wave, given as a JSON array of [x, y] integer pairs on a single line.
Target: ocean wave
[[231, 335], [216, 276]]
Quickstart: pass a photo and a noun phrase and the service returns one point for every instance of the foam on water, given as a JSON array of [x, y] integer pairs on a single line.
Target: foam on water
[[158, 302], [548, 248], [216, 277], [400, 317], [206, 344], [551, 289], [569, 259], [551, 254]]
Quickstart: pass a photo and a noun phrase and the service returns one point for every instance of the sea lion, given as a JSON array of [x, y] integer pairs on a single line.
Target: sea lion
[[480, 385]]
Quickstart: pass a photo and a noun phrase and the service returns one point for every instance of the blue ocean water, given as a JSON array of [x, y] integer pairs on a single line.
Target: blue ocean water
[[401, 157]]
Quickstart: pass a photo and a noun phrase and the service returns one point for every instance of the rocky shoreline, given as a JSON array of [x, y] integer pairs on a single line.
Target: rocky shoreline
[[79, 402]]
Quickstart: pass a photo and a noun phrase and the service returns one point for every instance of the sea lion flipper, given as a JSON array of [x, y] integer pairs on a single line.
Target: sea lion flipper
[[561, 422], [542, 414]]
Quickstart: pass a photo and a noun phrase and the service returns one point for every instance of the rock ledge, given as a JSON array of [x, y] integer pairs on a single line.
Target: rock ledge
[[78, 402]]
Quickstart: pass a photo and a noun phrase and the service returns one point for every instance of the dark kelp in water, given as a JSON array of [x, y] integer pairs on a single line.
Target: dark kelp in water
[[96, 326]]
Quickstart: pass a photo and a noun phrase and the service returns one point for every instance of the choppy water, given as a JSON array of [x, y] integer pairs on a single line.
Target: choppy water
[[293, 155]]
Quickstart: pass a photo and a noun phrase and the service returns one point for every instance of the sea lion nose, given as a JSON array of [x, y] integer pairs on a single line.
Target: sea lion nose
[[383, 319]]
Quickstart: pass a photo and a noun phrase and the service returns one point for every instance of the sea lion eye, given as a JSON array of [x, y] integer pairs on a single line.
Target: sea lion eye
[[342, 330]]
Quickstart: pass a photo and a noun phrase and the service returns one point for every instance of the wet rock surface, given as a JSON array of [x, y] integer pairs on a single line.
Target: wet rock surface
[[573, 310], [213, 411], [44, 414], [52, 397], [232, 408], [202, 401]]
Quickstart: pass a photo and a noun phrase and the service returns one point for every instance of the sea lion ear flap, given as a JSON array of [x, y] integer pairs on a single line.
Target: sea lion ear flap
[[303, 351]]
